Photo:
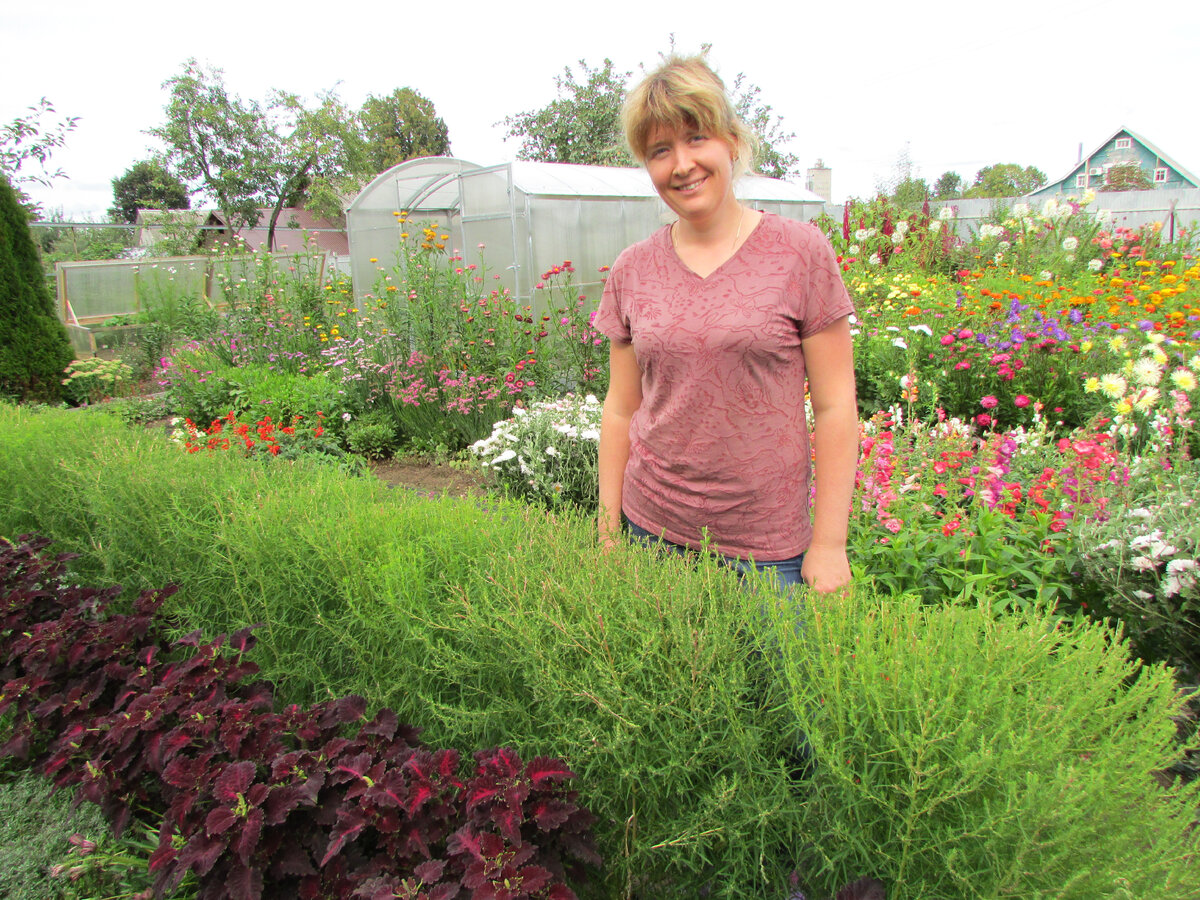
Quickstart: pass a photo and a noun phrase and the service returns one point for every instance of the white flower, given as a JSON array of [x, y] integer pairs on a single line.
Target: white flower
[[1050, 209], [1070, 244], [550, 451], [901, 227], [899, 342], [874, 260], [1183, 379], [1181, 576], [591, 400], [590, 434], [504, 457], [864, 234], [935, 227], [1047, 275], [853, 249], [1020, 210], [897, 238], [1147, 372], [1095, 265], [921, 329], [1004, 245], [990, 231], [946, 213], [1147, 399], [1113, 386], [519, 411]]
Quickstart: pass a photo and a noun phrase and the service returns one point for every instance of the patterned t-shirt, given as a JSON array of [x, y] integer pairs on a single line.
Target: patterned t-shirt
[[720, 443]]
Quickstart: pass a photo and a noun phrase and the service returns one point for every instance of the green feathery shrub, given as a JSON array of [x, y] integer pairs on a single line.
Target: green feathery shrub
[[965, 756]]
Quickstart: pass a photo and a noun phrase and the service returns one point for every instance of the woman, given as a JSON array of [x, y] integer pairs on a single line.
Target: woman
[[715, 321]]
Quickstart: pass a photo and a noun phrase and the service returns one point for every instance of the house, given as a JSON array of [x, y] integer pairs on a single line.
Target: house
[[1123, 148], [200, 228]]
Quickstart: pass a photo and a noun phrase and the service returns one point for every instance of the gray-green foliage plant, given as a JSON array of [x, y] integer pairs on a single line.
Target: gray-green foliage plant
[[963, 756], [35, 824], [34, 348]]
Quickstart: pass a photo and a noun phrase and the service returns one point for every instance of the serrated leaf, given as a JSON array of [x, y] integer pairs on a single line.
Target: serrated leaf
[[544, 770], [234, 779]]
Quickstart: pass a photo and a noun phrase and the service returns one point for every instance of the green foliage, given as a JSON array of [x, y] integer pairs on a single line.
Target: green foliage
[[216, 139], [402, 125], [1140, 564], [1005, 180], [498, 625], [146, 185], [93, 379], [948, 186], [961, 755], [373, 435], [34, 826], [1127, 176], [34, 348], [581, 125], [28, 139]]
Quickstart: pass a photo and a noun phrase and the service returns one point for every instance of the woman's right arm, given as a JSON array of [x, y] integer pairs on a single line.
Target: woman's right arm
[[622, 401]]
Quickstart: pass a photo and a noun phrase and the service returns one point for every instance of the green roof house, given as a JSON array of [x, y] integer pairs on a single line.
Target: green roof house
[[1122, 149]]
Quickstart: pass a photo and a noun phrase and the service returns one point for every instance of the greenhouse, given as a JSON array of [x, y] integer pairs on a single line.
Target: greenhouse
[[529, 216]]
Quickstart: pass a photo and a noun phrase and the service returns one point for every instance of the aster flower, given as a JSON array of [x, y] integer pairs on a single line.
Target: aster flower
[[1113, 386]]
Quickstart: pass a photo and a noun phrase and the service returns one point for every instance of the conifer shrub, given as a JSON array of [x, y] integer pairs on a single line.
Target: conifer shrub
[[34, 347]]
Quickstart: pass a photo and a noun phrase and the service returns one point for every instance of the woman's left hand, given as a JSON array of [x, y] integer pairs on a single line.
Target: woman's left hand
[[825, 569]]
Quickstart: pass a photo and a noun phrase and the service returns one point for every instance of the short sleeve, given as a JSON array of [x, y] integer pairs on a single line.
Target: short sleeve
[[612, 319], [826, 298]]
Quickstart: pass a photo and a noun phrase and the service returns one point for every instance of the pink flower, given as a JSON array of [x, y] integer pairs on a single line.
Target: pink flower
[[1020, 401], [983, 419], [966, 334], [893, 525], [947, 340], [962, 364], [989, 402]]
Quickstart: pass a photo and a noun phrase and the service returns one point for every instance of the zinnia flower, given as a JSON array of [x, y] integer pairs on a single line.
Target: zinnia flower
[[989, 402], [1020, 401]]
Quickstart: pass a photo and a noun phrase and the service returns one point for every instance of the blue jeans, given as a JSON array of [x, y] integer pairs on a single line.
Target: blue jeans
[[787, 571]]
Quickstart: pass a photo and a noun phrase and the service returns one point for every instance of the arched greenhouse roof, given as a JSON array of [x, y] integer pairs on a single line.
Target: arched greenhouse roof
[[427, 183]]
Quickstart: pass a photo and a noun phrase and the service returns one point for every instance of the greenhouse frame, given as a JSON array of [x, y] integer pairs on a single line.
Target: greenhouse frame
[[518, 219]]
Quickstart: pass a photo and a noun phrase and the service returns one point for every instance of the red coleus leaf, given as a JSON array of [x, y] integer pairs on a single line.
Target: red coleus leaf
[[430, 872], [243, 882], [201, 853], [234, 780], [544, 771], [551, 814], [560, 892], [247, 839]]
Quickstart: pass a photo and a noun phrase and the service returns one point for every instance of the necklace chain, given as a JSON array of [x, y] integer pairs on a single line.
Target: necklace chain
[[737, 234]]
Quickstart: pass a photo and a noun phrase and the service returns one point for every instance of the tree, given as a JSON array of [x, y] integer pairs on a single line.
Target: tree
[[146, 185], [1005, 180], [401, 126], [905, 188], [27, 139], [34, 348], [581, 125], [771, 160], [216, 139], [247, 156], [948, 186], [1127, 176]]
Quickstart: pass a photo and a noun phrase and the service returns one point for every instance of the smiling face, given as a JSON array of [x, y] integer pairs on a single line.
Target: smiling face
[[692, 171]]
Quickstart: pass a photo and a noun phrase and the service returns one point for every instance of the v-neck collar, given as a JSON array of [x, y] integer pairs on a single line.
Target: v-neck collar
[[692, 273]]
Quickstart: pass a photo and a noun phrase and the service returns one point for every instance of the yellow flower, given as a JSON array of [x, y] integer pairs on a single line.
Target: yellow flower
[[1123, 406], [1092, 385]]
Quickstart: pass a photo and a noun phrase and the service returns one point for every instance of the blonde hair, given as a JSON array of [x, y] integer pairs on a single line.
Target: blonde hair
[[684, 92]]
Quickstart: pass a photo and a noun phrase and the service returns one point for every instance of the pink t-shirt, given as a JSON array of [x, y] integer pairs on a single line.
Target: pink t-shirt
[[720, 442]]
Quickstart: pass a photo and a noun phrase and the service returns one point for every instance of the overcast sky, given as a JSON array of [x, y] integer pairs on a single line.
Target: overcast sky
[[958, 85]]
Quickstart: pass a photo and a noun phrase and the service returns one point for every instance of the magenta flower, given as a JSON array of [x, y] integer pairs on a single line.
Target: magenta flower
[[989, 402], [983, 419], [1021, 401]]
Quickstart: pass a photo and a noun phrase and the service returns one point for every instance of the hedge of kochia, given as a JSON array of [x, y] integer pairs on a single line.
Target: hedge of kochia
[[503, 625], [469, 622]]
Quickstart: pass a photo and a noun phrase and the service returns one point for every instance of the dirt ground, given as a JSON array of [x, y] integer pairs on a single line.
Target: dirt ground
[[430, 479]]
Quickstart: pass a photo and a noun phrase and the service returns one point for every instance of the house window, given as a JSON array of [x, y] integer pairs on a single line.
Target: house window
[[1124, 143], [1160, 176], [1081, 181]]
